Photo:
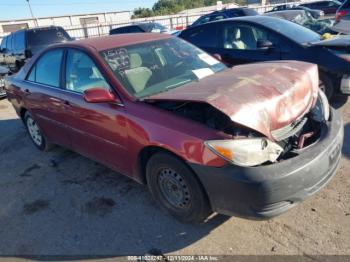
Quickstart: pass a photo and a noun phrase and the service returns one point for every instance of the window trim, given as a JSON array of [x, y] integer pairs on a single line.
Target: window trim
[[64, 71], [35, 63], [64, 68]]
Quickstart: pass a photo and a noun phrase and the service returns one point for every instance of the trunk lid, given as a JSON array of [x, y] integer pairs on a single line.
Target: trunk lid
[[262, 96]]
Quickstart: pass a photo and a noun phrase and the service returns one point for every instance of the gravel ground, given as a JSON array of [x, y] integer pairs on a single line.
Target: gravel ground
[[62, 203]]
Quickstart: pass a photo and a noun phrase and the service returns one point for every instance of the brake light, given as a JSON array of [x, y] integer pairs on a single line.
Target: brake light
[[340, 14]]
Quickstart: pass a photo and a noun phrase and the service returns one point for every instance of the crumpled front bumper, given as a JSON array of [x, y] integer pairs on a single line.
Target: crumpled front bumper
[[266, 191]]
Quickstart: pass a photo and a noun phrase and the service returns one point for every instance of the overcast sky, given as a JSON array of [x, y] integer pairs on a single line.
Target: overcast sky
[[16, 9]]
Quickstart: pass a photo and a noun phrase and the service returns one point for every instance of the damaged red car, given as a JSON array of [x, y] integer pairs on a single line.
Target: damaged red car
[[250, 141]]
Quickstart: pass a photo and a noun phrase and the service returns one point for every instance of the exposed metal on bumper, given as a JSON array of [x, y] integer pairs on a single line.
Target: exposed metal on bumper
[[345, 85], [266, 191]]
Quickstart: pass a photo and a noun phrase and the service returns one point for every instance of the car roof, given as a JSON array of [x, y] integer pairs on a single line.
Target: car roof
[[253, 18], [37, 28], [119, 40]]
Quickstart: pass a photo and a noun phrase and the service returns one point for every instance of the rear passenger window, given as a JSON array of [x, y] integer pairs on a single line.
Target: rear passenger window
[[9, 43], [47, 70], [3, 43], [18, 40], [82, 73]]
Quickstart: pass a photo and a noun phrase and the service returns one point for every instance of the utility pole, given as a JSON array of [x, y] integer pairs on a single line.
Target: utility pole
[[31, 12]]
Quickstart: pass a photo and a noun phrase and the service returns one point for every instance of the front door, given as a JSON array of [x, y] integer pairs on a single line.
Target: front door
[[97, 130]]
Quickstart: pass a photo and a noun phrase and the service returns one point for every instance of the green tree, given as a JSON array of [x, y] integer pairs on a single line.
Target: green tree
[[142, 12], [167, 7]]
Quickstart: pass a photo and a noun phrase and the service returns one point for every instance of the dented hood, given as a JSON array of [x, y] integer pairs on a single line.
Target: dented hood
[[262, 96]]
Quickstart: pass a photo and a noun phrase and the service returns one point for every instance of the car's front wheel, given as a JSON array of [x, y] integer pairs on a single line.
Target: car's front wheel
[[35, 133], [175, 188]]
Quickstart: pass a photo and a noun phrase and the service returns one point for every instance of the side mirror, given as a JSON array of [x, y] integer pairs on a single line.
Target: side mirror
[[99, 95], [264, 44]]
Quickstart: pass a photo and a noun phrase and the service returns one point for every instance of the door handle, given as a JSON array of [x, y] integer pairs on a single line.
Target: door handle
[[66, 102], [27, 91]]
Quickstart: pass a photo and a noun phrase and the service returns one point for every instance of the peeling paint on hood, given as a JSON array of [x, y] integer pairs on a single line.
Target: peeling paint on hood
[[263, 96]]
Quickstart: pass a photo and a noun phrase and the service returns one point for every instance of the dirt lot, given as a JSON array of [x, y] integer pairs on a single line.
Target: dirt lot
[[62, 203]]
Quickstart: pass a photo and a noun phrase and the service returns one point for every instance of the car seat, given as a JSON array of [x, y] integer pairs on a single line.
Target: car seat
[[137, 75]]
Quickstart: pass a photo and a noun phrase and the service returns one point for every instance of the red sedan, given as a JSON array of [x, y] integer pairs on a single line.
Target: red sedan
[[250, 141]]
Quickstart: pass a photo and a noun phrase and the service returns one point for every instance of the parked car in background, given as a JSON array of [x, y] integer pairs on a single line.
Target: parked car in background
[[224, 14], [314, 13], [327, 6], [251, 141], [140, 28], [343, 13], [21, 45], [3, 73], [305, 19], [262, 38], [342, 19]]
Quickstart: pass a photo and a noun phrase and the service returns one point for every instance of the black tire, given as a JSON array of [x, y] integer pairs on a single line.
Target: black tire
[[159, 170], [41, 143], [326, 85]]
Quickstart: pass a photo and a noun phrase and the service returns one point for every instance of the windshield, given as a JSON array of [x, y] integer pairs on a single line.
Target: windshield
[[154, 67], [293, 31], [40, 37]]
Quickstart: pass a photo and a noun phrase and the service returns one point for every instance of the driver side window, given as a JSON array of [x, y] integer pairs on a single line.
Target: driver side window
[[243, 37], [82, 73]]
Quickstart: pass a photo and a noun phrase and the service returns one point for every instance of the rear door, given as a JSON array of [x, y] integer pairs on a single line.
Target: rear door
[[97, 130], [239, 43], [41, 93]]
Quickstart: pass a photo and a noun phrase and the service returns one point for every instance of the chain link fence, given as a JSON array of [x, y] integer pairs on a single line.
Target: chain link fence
[[172, 22]]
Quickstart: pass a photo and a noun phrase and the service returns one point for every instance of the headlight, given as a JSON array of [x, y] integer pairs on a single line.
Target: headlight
[[247, 151], [321, 110]]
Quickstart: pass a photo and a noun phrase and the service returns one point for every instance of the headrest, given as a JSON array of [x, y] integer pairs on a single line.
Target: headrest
[[135, 60]]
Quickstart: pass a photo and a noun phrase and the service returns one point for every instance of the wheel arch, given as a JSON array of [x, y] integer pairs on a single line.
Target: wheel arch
[[22, 113], [147, 152]]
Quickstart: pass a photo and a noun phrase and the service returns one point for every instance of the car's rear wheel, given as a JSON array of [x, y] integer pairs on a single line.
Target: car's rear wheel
[[326, 85], [35, 133], [176, 189]]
